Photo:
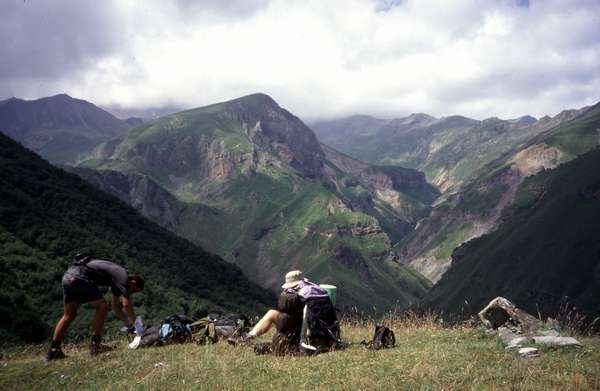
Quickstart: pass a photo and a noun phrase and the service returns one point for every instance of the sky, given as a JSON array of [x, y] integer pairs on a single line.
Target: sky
[[319, 59]]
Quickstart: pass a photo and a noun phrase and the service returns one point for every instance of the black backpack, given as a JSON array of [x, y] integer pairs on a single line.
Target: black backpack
[[322, 322], [383, 338], [175, 329]]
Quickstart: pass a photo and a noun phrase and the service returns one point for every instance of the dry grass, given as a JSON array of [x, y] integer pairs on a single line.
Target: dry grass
[[427, 357]]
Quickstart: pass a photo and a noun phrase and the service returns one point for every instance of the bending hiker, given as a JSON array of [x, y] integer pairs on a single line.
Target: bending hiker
[[288, 317], [80, 285]]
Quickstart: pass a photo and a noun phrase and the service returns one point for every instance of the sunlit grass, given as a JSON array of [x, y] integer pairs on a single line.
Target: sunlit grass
[[427, 357]]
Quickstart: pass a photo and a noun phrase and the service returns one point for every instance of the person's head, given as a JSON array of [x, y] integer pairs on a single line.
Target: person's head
[[136, 283], [292, 279]]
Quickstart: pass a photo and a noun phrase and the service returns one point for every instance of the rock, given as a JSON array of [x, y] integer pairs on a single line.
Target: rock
[[506, 335], [510, 339], [556, 341], [528, 352], [501, 312], [517, 342], [550, 333]]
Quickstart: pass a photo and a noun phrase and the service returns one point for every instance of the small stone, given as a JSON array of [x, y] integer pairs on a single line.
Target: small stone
[[506, 335], [528, 352], [556, 341], [550, 333], [517, 342]]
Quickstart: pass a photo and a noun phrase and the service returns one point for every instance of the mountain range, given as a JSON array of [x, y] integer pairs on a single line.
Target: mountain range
[[477, 164], [544, 256], [249, 181], [60, 128]]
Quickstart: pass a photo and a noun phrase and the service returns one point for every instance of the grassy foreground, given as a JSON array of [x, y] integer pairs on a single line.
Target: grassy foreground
[[427, 357]]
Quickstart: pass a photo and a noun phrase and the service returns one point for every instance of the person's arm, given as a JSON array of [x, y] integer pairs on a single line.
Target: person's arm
[[128, 306], [127, 316]]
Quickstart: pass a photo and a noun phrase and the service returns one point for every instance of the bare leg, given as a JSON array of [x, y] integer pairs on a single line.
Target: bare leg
[[265, 323], [70, 312], [101, 307]]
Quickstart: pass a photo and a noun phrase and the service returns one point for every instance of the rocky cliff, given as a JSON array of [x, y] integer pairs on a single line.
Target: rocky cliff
[[252, 183]]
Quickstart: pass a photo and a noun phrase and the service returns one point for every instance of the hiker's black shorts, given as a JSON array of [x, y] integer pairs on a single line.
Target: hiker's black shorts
[[76, 289]]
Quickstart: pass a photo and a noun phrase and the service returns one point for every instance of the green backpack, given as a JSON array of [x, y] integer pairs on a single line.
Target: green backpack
[[204, 332]]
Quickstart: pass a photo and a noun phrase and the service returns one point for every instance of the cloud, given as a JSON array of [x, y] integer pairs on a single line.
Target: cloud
[[53, 42], [318, 59]]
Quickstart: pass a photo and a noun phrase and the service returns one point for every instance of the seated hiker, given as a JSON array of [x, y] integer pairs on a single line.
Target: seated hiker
[[288, 317], [81, 284]]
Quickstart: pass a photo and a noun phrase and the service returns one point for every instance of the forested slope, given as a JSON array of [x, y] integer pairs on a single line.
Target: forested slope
[[47, 215]]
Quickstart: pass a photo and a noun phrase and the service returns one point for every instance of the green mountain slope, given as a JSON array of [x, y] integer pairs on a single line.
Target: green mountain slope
[[575, 137], [59, 128], [449, 150], [477, 207], [48, 215], [251, 183], [546, 251]]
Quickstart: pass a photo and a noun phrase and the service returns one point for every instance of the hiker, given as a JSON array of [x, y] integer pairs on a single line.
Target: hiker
[[288, 317], [81, 284]]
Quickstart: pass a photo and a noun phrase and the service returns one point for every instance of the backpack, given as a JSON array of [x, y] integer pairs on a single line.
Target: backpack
[[175, 329], [204, 331], [150, 337], [383, 338], [321, 324], [229, 325]]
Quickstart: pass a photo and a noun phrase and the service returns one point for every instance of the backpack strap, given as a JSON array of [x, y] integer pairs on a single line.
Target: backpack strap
[[82, 260]]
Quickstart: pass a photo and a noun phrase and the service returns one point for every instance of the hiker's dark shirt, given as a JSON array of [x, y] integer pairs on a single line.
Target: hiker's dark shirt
[[104, 273], [289, 324], [291, 306]]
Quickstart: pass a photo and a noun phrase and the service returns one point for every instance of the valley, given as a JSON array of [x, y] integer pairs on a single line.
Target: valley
[[380, 208], [249, 181]]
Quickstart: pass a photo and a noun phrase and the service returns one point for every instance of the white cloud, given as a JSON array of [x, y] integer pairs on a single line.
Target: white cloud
[[323, 59]]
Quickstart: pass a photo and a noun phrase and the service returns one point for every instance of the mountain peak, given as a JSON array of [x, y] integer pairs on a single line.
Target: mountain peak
[[254, 99], [523, 120], [566, 115], [59, 127], [413, 120], [62, 98], [421, 117], [9, 100], [63, 95]]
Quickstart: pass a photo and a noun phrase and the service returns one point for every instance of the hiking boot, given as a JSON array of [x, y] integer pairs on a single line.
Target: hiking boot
[[242, 339], [98, 348], [54, 354]]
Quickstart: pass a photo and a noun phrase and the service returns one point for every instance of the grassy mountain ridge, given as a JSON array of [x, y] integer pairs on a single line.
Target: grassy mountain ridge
[[60, 128], [450, 150], [477, 164], [254, 185], [546, 251], [48, 215], [477, 207]]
